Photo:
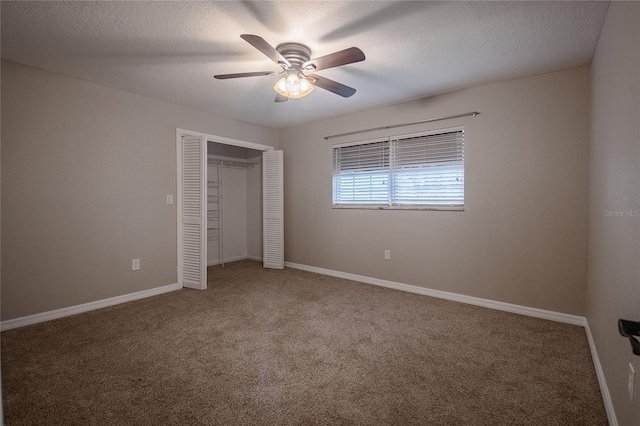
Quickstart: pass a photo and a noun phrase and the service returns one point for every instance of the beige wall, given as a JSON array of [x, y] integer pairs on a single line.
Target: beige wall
[[523, 236], [85, 172], [614, 185]]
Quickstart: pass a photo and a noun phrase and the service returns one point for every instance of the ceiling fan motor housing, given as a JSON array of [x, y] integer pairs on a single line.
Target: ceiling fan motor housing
[[296, 53]]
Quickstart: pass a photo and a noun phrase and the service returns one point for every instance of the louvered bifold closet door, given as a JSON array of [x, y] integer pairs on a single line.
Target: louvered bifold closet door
[[428, 169], [193, 271], [273, 210]]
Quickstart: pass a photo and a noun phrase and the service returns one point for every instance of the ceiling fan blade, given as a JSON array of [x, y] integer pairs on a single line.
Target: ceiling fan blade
[[343, 57], [244, 74], [270, 51], [332, 86], [280, 98]]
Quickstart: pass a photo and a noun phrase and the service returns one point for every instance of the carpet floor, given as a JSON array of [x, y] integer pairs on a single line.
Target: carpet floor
[[269, 347]]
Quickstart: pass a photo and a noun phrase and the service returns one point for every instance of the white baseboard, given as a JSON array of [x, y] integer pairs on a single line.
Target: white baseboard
[[487, 303], [227, 260], [604, 389], [234, 259], [98, 304], [85, 307]]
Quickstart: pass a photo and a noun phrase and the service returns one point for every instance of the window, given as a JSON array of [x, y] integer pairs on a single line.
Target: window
[[418, 171]]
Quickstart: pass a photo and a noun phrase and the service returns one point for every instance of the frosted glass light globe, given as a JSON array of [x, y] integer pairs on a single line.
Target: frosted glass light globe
[[293, 86]]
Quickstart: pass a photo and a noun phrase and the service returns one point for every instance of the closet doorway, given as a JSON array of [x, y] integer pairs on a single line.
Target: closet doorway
[[230, 204]]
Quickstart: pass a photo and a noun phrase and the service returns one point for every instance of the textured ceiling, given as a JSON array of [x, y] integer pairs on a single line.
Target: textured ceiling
[[171, 50]]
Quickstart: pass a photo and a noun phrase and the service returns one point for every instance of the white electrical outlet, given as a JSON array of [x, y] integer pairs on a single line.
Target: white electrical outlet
[[632, 379], [169, 198], [387, 254], [135, 264]]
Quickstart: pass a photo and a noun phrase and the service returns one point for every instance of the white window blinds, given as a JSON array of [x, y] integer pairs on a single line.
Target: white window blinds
[[361, 173], [423, 170]]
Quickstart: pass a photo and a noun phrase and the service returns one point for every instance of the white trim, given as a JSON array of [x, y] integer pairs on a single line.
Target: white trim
[[604, 389], [85, 307], [487, 303], [225, 140], [256, 258]]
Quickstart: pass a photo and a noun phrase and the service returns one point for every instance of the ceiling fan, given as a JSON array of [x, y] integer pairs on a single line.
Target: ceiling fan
[[294, 58]]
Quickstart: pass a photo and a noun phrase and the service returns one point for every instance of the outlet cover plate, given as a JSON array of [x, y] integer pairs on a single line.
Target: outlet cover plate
[[135, 264]]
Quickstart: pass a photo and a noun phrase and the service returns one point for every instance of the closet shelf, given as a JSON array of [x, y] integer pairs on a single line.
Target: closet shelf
[[230, 163]]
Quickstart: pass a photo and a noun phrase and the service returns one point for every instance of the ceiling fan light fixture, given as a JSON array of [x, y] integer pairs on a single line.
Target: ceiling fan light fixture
[[293, 86]]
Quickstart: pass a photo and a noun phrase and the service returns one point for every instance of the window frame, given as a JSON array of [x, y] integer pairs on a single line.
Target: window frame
[[388, 206]]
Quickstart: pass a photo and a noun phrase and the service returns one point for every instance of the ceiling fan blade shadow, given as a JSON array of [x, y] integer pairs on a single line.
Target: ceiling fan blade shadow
[[244, 74], [156, 61], [343, 57], [264, 47], [257, 9], [385, 79], [382, 16], [170, 50], [331, 86], [280, 98], [167, 54]]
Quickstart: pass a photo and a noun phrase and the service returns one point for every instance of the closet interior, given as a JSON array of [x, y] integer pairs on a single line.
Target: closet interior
[[234, 203]]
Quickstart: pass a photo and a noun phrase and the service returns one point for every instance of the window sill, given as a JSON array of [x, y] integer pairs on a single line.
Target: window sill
[[367, 207]]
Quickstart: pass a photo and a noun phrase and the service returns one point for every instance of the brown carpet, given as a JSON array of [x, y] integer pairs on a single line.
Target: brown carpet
[[290, 347]]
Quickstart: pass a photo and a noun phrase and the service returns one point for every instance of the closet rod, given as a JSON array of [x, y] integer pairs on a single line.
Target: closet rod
[[393, 126]]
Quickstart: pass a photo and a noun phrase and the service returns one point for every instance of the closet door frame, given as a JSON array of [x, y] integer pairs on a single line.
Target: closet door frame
[[208, 138]]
